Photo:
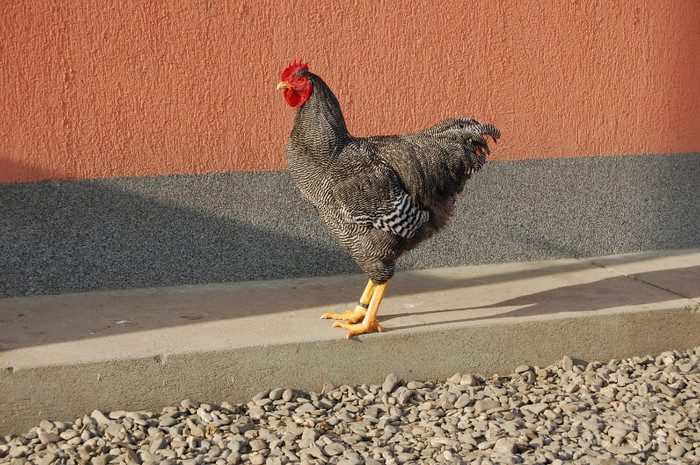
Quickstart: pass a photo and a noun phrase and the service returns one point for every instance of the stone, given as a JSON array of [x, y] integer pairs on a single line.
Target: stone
[[622, 450], [68, 434], [158, 443], [567, 364], [593, 425], [288, 395], [425, 406], [462, 401], [18, 451], [405, 457], [102, 459], [46, 437], [100, 418], [189, 404], [276, 394], [522, 369], [484, 405], [131, 456], [505, 446], [256, 458], [677, 451], [618, 431], [468, 380], [47, 459], [305, 408], [308, 438], [333, 449], [257, 445], [390, 383], [413, 385], [236, 444], [534, 409], [115, 431], [569, 407], [256, 412], [197, 431], [167, 421]]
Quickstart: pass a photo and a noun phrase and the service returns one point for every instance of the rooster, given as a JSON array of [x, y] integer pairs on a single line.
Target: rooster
[[379, 196]]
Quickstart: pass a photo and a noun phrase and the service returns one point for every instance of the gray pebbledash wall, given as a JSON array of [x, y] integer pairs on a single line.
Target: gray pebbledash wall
[[73, 236]]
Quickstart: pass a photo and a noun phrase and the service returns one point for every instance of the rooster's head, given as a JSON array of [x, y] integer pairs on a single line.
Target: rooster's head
[[296, 84]]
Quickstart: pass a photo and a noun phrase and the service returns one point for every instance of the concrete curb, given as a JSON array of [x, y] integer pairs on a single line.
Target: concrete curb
[[63, 356]]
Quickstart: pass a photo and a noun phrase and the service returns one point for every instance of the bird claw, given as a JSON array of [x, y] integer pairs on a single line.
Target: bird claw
[[351, 316], [363, 319], [359, 328]]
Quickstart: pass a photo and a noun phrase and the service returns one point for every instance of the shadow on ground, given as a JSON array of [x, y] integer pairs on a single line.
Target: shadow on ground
[[89, 315], [587, 297]]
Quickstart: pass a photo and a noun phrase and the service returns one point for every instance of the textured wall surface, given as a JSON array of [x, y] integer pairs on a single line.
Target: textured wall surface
[[71, 236], [94, 88]]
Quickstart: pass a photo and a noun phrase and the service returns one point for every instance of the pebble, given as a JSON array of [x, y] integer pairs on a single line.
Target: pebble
[[305, 408], [484, 405], [535, 409], [100, 418], [158, 443], [468, 380], [288, 395], [634, 411], [390, 383], [505, 446], [276, 394], [334, 448], [46, 437], [462, 401], [567, 363]]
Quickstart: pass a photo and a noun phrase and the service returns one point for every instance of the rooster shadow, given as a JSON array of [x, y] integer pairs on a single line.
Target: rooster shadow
[[614, 292]]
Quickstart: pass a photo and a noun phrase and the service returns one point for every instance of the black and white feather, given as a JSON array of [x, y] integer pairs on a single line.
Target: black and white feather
[[381, 196], [401, 216]]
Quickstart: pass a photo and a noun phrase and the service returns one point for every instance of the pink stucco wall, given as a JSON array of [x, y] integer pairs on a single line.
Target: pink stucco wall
[[94, 88]]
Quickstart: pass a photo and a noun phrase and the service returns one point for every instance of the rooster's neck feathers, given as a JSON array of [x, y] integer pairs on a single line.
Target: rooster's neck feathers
[[319, 126]]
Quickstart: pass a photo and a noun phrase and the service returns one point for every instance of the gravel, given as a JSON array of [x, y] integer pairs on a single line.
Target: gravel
[[639, 410]]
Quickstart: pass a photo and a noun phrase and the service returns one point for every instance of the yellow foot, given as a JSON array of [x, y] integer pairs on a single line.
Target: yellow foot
[[359, 328], [351, 316]]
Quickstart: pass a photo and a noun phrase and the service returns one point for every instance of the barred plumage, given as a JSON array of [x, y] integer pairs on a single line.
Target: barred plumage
[[401, 216], [380, 196]]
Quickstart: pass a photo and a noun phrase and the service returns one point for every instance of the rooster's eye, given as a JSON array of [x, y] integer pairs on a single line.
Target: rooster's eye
[[300, 78]]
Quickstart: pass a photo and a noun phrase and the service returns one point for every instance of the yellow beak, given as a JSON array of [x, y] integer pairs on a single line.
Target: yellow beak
[[283, 85]]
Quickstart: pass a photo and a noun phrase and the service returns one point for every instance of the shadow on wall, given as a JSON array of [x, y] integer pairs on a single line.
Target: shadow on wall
[[11, 170], [75, 236]]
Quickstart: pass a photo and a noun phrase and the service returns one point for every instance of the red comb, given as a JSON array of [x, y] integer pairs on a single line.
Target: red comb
[[293, 68]]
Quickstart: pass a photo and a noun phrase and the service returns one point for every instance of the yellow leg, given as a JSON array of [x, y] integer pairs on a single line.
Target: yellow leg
[[356, 315], [369, 323]]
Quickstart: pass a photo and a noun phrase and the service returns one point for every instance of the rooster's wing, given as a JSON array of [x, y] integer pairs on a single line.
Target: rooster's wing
[[370, 192]]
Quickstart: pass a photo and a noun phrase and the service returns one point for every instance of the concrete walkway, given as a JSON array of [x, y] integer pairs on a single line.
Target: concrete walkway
[[64, 356]]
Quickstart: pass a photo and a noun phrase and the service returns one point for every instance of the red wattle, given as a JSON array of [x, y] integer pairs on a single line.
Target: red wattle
[[291, 97], [295, 98]]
